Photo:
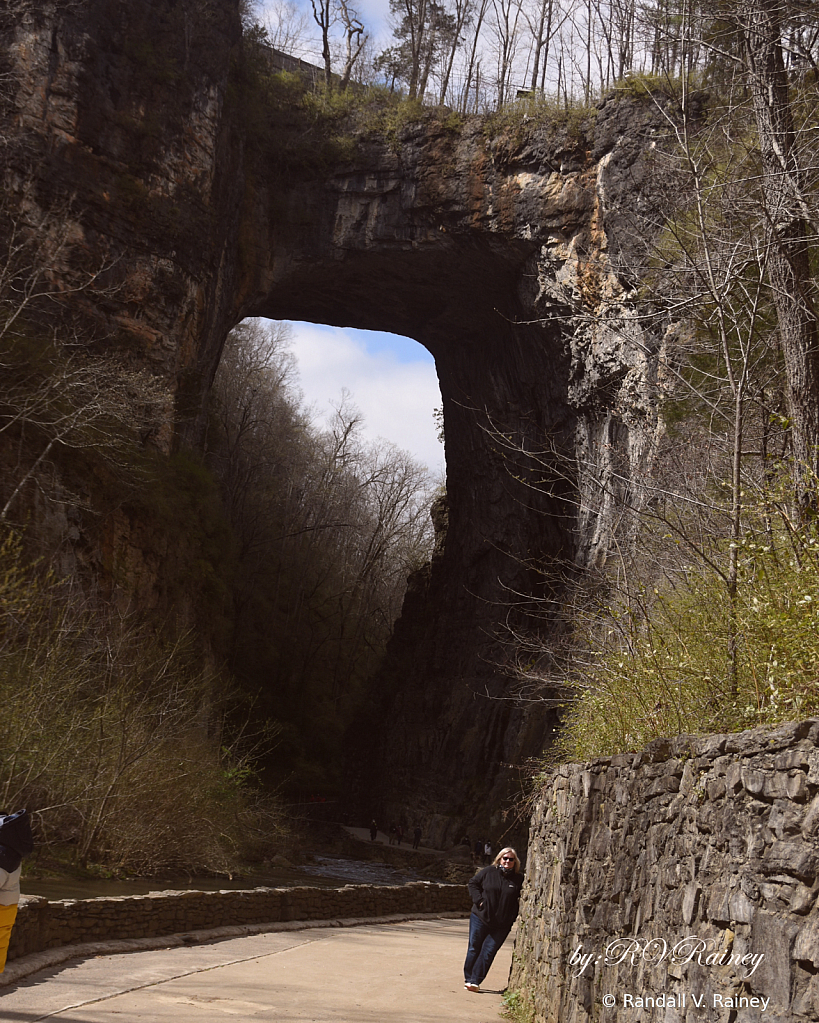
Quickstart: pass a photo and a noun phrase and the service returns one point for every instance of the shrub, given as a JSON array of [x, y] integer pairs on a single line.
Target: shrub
[[690, 659], [113, 733]]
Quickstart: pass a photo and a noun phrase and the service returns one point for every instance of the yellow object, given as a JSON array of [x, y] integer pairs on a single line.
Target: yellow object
[[8, 914]]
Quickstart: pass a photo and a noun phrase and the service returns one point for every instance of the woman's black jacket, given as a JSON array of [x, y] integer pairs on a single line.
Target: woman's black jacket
[[495, 896]]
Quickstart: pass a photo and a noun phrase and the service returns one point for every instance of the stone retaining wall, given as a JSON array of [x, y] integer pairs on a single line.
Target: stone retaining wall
[[42, 924], [677, 884]]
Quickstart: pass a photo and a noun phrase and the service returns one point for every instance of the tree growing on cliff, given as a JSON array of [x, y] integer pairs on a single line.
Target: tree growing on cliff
[[424, 31], [793, 225], [326, 14], [58, 392], [682, 635], [734, 562], [355, 39]]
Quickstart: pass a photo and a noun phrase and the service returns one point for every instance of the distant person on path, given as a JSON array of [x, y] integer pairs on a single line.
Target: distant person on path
[[487, 853], [416, 837], [373, 831], [15, 843], [495, 892], [400, 832], [477, 852], [393, 833]]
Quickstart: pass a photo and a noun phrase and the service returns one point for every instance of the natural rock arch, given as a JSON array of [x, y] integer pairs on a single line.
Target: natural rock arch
[[498, 266], [504, 256], [376, 250]]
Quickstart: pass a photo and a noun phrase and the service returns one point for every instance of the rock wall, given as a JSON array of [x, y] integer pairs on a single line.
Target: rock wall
[[677, 884], [42, 924], [507, 247]]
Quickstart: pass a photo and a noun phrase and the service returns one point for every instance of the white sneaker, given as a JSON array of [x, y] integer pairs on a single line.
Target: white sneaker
[[472, 987]]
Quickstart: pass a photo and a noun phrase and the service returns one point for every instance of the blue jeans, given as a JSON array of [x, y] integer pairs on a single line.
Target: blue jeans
[[484, 942]]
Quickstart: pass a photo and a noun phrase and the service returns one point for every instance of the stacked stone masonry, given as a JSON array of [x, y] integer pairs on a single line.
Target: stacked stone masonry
[[677, 884], [42, 924]]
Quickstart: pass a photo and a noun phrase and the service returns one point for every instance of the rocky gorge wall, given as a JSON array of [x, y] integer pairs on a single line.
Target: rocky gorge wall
[[677, 884], [508, 248]]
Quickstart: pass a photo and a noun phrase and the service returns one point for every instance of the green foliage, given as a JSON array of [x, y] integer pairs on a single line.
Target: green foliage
[[517, 1007], [645, 83], [112, 734], [295, 129], [689, 659], [388, 115], [714, 628], [299, 128], [514, 123]]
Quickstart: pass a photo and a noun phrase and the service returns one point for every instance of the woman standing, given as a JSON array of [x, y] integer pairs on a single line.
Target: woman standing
[[495, 892]]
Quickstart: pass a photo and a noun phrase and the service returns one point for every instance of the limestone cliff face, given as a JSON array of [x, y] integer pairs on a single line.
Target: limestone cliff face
[[118, 109], [505, 251], [122, 108]]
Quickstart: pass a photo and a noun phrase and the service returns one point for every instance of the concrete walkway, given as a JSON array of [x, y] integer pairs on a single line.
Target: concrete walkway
[[382, 838], [408, 972]]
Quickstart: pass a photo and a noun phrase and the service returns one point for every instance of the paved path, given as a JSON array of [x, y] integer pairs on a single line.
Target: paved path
[[382, 838], [407, 972]]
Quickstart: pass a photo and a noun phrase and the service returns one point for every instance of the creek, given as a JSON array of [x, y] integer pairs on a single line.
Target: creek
[[322, 872]]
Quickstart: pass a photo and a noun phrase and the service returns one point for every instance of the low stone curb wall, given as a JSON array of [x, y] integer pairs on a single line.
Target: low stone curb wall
[[42, 924], [677, 884]]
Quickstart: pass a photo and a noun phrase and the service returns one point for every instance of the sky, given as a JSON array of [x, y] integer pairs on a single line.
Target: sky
[[391, 380], [374, 15]]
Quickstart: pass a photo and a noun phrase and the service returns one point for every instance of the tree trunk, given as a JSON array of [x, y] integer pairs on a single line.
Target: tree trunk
[[541, 41], [787, 215], [471, 68]]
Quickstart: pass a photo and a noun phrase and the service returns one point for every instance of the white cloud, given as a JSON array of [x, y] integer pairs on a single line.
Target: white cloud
[[396, 396]]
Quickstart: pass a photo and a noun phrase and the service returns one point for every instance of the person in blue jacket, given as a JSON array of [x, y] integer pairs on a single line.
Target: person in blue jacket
[[495, 892]]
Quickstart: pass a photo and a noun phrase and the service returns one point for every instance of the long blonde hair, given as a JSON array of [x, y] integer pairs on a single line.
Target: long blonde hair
[[505, 852]]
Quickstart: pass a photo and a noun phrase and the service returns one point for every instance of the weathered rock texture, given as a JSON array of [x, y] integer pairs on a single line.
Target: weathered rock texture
[[42, 924], [649, 863], [504, 251]]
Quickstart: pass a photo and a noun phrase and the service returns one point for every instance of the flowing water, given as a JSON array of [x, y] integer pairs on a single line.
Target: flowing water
[[323, 872]]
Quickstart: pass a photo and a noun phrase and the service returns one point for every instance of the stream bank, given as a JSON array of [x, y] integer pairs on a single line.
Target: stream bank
[[325, 855]]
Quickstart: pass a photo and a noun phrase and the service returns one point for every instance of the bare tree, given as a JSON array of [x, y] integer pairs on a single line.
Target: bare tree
[[473, 63], [287, 27], [541, 28], [355, 39], [323, 15], [57, 392], [461, 14], [790, 223], [424, 30], [504, 26]]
